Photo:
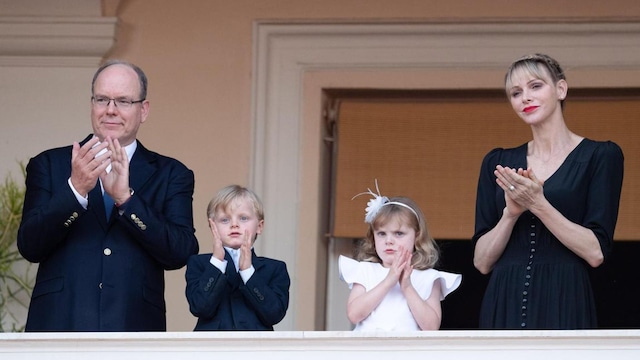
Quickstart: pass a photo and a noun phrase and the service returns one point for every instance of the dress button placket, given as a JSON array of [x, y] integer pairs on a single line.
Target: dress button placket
[[527, 276]]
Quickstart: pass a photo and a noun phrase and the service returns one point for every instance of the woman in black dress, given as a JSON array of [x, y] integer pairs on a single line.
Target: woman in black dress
[[545, 211]]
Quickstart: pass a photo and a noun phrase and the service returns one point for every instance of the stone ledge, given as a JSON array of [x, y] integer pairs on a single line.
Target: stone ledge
[[494, 345], [55, 41]]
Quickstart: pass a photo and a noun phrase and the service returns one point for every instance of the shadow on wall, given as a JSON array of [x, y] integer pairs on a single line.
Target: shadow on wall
[[616, 287]]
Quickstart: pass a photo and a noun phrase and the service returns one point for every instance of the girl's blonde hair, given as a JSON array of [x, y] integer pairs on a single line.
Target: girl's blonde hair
[[425, 252]]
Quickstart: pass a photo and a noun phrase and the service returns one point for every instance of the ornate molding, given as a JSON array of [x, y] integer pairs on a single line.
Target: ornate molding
[[55, 41]]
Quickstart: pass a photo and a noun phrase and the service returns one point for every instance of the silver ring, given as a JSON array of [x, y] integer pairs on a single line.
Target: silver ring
[[511, 187]]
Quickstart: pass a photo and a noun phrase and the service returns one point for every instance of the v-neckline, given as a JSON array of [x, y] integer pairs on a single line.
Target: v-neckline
[[569, 156]]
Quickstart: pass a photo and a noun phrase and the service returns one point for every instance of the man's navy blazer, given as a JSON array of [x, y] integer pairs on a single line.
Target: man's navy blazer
[[95, 275], [224, 302]]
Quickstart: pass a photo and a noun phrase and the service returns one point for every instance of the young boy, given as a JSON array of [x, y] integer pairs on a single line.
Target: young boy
[[233, 289]]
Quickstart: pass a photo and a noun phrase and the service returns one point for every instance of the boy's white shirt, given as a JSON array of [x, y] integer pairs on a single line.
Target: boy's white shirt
[[235, 255]]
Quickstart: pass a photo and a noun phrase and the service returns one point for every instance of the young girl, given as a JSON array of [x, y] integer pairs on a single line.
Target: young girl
[[394, 286]]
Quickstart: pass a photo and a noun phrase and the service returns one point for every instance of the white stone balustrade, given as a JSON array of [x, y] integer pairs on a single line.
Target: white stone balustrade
[[334, 345]]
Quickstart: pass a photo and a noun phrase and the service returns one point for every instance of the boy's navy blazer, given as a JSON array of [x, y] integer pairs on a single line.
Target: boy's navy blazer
[[224, 302], [95, 275]]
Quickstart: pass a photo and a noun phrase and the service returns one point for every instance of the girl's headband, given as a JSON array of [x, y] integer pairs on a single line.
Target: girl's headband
[[374, 205]]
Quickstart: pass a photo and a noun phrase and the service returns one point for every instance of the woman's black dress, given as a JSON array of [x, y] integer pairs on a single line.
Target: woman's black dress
[[538, 283]]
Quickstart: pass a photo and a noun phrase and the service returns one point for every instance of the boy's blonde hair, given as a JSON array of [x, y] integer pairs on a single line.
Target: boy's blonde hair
[[225, 198], [425, 252]]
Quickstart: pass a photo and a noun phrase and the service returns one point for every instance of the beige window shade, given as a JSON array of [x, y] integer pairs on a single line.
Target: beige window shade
[[432, 151]]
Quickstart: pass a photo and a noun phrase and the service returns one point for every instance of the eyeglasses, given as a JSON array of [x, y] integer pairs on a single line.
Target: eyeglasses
[[103, 102]]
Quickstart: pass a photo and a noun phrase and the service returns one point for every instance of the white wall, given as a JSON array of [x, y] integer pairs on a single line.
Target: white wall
[[41, 108]]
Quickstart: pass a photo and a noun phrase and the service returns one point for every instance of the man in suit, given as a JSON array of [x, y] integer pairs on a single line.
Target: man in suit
[[104, 218]]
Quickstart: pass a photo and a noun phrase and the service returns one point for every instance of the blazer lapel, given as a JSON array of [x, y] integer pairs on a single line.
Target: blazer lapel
[[141, 168], [256, 261]]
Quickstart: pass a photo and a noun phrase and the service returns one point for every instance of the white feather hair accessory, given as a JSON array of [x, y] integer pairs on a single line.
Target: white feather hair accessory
[[377, 202]]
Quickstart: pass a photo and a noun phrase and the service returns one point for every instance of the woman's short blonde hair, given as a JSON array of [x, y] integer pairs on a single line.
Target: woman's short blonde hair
[[540, 66]]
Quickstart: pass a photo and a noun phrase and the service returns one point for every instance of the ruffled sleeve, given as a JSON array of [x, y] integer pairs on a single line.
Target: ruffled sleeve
[[423, 281], [350, 271], [449, 282]]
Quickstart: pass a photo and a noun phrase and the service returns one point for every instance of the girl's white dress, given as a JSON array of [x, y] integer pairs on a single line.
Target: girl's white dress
[[393, 313]]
